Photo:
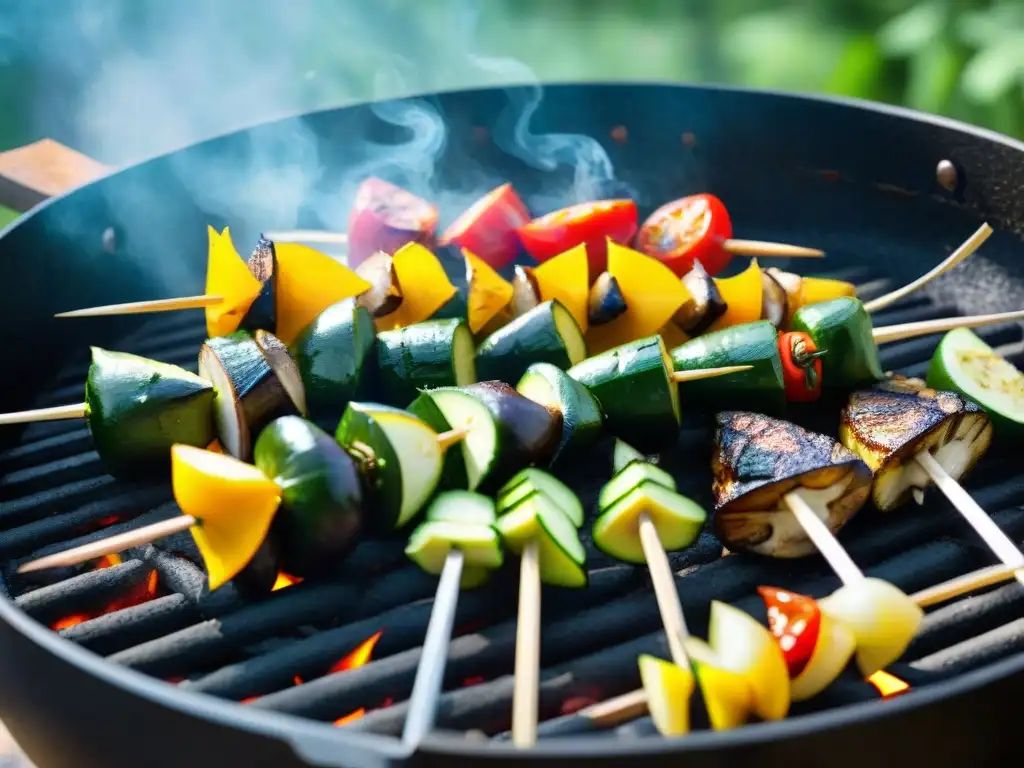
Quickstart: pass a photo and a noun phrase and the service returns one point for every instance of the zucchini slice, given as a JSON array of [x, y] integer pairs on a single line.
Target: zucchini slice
[[262, 313], [399, 458], [434, 353], [582, 420], [623, 455], [432, 540], [562, 556], [462, 507], [479, 450], [250, 394], [336, 356], [547, 334], [677, 519], [321, 513], [530, 480], [137, 408], [453, 472], [633, 383], [629, 478]]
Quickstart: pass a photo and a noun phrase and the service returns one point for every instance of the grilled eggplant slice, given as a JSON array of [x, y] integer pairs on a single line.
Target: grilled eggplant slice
[[262, 314], [385, 294], [757, 460], [705, 304], [888, 425]]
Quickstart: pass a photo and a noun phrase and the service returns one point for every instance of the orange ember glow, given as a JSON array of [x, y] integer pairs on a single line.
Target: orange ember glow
[[888, 685], [108, 520], [141, 593], [284, 580], [351, 716], [358, 658]]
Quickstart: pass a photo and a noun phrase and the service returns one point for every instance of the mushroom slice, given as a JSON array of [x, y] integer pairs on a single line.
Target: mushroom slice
[[704, 304], [525, 292], [792, 284], [385, 294], [757, 460], [774, 300], [888, 425], [606, 300]]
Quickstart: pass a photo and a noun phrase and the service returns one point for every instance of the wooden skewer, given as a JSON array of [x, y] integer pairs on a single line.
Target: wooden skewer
[[969, 246], [57, 413], [527, 664], [426, 689], [306, 236], [924, 327], [664, 590], [708, 373], [112, 545], [446, 440], [762, 249], [837, 557], [144, 307], [1000, 544]]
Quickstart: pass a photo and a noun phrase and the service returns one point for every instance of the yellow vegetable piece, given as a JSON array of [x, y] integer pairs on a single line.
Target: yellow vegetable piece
[[814, 290], [829, 658], [489, 292], [673, 335], [742, 296], [727, 695], [234, 503], [308, 282], [566, 278], [227, 276], [425, 287], [652, 293], [668, 690]]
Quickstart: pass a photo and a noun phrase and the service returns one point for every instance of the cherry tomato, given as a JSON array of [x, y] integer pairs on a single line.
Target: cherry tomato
[[687, 230], [385, 217], [488, 227], [590, 223], [794, 620], [801, 367]]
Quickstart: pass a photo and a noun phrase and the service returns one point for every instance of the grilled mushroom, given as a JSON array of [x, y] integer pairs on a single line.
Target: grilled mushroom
[[606, 300], [792, 285], [774, 300], [525, 291], [889, 424], [705, 304], [385, 294], [757, 460]]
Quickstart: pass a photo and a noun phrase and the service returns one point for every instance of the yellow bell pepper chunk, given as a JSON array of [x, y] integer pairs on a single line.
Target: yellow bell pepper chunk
[[652, 292], [488, 292], [227, 276], [814, 290], [233, 502], [668, 690], [566, 278], [727, 695], [425, 287], [308, 282], [742, 295]]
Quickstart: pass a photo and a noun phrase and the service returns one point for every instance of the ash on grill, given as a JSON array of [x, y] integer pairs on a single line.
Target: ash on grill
[[343, 652]]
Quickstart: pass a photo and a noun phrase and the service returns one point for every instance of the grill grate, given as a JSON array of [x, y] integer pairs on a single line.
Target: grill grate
[[282, 652]]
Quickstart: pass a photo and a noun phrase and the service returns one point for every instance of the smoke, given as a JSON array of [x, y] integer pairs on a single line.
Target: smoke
[[136, 78]]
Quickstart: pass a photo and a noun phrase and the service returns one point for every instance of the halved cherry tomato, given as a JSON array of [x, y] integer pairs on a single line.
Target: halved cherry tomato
[[795, 621], [385, 217], [488, 227], [801, 367], [687, 230], [590, 223]]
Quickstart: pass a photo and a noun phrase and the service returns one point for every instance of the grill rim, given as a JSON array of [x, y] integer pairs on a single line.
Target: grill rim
[[370, 749]]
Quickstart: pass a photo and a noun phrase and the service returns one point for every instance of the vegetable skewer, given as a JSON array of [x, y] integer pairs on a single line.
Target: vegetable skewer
[[458, 531]]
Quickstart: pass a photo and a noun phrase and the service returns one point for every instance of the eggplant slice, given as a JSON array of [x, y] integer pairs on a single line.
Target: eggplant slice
[[888, 425], [385, 294], [705, 304], [262, 314], [757, 460]]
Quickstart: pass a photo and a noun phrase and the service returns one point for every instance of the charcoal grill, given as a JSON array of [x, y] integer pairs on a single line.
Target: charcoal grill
[[158, 681]]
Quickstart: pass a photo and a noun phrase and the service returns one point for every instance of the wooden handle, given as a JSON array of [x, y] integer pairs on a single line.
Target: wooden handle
[[31, 174]]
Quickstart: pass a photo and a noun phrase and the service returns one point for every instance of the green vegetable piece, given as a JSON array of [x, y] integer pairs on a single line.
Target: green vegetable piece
[[321, 513], [633, 384], [561, 553], [472, 462], [336, 355], [965, 364], [136, 409], [453, 473], [398, 456], [431, 542], [841, 328], [528, 481], [435, 353], [463, 507], [625, 454], [548, 333], [629, 478], [677, 519], [757, 344], [582, 420]]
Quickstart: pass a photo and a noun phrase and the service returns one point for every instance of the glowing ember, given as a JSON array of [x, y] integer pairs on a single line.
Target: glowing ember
[[141, 593], [284, 580], [108, 520], [108, 561], [359, 657], [69, 621], [351, 716], [476, 680], [888, 685]]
